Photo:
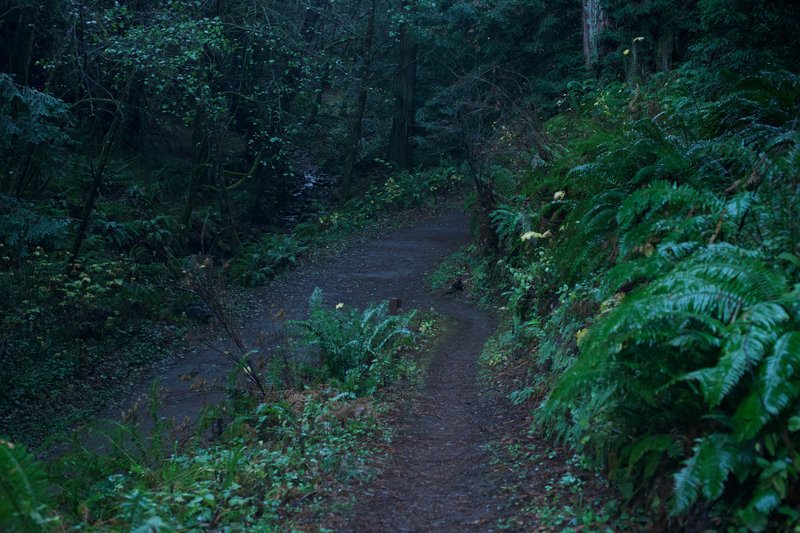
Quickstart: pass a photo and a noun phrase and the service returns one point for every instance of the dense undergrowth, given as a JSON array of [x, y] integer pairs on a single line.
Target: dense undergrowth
[[652, 268], [643, 236], [256, 462], [570, 495]]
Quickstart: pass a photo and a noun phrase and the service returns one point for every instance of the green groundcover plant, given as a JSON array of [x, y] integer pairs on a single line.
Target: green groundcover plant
[[252, 463], [657, 255]]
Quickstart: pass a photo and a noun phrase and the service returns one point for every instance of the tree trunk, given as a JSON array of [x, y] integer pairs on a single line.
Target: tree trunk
[[664, 47], [313, 35], [404, 110], [633, 63], [593, 22], [219, 181], [311, 32], [99, 168], [312, 116], [28, 59], [25, 170], [354, 138]]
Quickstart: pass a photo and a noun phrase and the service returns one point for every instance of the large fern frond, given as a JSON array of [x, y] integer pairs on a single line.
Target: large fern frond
[[779, 377], [23, 490], [776, 389], [705, 472], [641, 217], [747, 343]]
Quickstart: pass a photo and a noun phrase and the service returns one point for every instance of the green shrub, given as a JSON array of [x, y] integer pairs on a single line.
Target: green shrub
[[719, 329], [676, 230], [22, 230], [354, 347], [59, 325], [256, 263], [267, 455]]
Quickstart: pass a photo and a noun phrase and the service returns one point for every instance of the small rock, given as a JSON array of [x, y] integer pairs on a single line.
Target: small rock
[[198, 313]]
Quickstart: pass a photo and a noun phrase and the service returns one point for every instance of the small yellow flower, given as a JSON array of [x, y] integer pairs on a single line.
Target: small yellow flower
[[529, 234], [339, 305], [581, 335]]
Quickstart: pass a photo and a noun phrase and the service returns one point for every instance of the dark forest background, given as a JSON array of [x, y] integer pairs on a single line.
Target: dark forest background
[[633, 168]]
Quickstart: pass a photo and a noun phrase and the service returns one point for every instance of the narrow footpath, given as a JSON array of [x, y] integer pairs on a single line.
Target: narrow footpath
[[438, 477]]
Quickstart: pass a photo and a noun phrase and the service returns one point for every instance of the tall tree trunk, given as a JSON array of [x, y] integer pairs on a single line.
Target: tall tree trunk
[[257, 206], [354, 138], [25, 170], [222, 190], [664, 47], [404, 110], [313, 34], [633, 62], [312, 31], [593, 21], [312, 116], [98, 167], [28, 61]]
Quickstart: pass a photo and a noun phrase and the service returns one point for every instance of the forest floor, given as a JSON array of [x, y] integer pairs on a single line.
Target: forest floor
[[448, 466]]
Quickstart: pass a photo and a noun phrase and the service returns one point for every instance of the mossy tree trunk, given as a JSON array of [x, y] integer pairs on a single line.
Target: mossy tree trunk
[[593, 21]]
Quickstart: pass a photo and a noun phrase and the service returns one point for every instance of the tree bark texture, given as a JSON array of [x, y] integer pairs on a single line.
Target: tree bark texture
[[404, 109], [354, 138], [200, 166], [664, 48], [633, 63], [223, 199], [593, 22], [98, 167], [313, 34]]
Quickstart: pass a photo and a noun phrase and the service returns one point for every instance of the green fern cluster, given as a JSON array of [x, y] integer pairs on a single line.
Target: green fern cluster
[[713, 343], [355, 346], [675, 217], [22, 229], [24, 499], [256, 263], [146, 239]]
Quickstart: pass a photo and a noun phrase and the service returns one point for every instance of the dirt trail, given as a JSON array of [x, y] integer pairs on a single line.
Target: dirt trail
[[393, 266], [438, 479]]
